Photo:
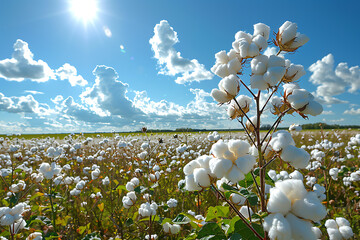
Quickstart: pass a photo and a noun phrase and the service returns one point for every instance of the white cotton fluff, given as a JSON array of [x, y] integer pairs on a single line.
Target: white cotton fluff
[[290, 87], [277, 227], [309, 207], [300, 229], [297, 157], [230, 85], [293, 189], [262, 29], [302, 100], [293, 71], [287, 32], [266, 71], [339, 229], [278, 202], [296, 175], [147, 209], [201, 177], [226, 64], [49, 171], [245, 210], [197, 173], [237, 199], [231, 160], [220, 96], [281, 139]]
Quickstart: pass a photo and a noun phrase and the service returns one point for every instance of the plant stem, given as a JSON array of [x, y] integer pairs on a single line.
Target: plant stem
[[237, 212], [52, 206]]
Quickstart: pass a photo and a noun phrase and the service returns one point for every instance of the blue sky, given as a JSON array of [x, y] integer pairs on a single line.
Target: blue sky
[[130, 87]]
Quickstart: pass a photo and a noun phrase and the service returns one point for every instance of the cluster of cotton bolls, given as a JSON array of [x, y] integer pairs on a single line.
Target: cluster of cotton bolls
[[13, 217], [283, 175], [171, 228], [292, 209], [267, 71], [231, 160], [338, 229], [353, 177], [147, 209], [213, 136], [301, 100], [283, 143], [354, 141]]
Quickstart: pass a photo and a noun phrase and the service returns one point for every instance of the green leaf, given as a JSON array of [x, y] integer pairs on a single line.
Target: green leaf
[[217, 212], [245, 232], [235, 236], [181, 219], [211, 231], [129, 222], [137, 189]]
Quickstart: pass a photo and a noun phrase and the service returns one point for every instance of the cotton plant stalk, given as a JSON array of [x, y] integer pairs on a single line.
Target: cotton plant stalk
[[274, 89]]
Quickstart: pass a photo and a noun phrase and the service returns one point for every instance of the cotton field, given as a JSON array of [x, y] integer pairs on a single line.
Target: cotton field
[[143, 187]]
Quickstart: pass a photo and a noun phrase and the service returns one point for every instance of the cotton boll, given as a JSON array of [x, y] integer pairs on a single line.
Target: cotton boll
[[190, 184], [237, 199], [274, 75], [201, 177], [300, 40], [294, 72], [262, 29], [276, 61], [258, 82], [296, 175], [244, 210], [260, 42], [219, 148], [300, 229], [290, 87], [234, 66], [222, 57], [220, 96], [292, 188], [297, 157], [243, 48], [243, 35], [278, 202], [280, 140], [331, 223], [219, 167], [253, 50], [221, 70], [346, 232], [235, 174], [277, 227], [309, 207], [288, 33], [259, 64], [246, 163], [175, 229], [189, 168], [272, 174], [230, 85], [313, 108], [166, 227], [238, 147], [342, 222], [334, 234], [317, 232]]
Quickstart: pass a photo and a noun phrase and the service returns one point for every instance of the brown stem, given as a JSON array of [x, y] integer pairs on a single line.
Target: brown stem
[[247, 132], [242, 111], [237, 212]]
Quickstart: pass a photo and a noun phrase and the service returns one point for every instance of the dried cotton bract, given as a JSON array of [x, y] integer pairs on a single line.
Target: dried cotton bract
[[242, 102]]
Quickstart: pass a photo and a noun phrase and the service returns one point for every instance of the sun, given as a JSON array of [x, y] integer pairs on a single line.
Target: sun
[[84, 10]]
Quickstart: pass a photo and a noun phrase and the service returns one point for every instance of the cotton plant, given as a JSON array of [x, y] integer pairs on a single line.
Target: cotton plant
[[231, 160]]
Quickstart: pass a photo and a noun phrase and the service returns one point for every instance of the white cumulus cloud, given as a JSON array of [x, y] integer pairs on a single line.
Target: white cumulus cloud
[[22, 66], [68, 72], [170, 60], [352, 111], [332, 82]]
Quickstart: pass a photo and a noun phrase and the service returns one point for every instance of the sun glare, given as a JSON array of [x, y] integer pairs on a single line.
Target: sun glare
[[84, 10]]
